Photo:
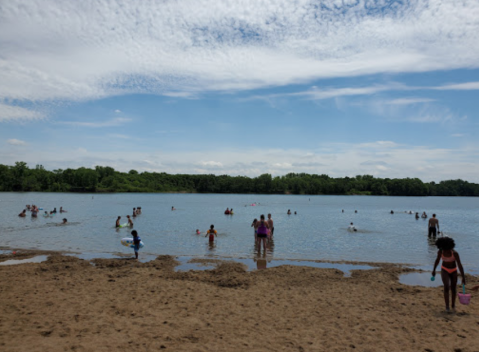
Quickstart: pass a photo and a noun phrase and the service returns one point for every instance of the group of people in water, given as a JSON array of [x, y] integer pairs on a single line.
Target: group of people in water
[[136, 212], [423, 215], [229, 211], [35, 210], [264, 232]]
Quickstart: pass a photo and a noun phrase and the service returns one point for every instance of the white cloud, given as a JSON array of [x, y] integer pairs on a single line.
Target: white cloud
[[118, 121], [409, 101], [217, 164], [71, 50], [16, 113], [117, 111], [460, 86], [457, 135], [117, 135], [16, 142]]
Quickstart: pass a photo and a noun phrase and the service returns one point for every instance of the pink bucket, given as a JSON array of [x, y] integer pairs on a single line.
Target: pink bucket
[[464, 298]]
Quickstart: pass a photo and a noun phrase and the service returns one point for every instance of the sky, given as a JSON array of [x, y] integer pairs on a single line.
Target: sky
[[340, 87]]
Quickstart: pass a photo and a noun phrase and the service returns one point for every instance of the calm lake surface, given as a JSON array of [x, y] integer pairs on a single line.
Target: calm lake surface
[[318, 232]]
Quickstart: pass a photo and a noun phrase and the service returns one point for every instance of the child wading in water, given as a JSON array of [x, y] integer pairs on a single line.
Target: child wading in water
[[448, 269], [212, 233], [136, 242]]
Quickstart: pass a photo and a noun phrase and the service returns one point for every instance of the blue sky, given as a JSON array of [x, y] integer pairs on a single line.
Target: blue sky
[[386, 88]]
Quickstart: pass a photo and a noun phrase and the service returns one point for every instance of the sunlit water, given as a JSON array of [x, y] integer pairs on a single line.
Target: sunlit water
[[317, 232]]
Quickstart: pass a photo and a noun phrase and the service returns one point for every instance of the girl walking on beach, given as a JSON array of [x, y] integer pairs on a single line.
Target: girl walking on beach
[[450, 263], [262, 232]]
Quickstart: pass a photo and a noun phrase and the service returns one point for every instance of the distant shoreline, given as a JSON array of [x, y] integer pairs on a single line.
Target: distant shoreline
[[105, 179]]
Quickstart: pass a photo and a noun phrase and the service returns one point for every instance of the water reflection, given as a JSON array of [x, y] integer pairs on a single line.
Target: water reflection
[[211, 247], [262, 258]]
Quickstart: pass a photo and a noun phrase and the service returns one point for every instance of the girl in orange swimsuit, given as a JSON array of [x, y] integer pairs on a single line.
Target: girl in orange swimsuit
[[450, 263]]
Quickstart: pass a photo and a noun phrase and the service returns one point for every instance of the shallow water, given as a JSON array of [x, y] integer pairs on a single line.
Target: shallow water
[[37, 259], [419, 279], [318, 232], [260, 263]]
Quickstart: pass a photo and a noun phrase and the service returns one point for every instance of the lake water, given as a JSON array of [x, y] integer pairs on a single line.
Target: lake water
[[318, 232]]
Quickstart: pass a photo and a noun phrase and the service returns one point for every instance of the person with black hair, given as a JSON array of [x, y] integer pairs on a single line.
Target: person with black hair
[[432, 225], [136, 242], [262, 228], [212, 233], [450, 263]]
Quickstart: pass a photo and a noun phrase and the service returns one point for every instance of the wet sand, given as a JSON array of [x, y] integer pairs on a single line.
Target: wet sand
[[68, 304]]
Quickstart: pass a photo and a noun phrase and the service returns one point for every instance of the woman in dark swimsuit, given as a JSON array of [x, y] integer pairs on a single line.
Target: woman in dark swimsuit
[[450, 263], [262, 232]]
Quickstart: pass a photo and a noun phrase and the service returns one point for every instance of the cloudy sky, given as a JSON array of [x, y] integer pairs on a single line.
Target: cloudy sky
[[340, 87]]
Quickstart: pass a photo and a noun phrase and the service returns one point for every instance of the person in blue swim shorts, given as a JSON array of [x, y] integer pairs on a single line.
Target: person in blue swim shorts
[[136, 242]]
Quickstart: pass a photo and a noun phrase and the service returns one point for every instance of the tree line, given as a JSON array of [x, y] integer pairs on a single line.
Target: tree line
[[21, 178]]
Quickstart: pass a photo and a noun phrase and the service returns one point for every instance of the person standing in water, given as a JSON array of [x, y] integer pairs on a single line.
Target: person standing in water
[[262, 232], [450, 263], [23, 213], [432, 225], [130, 223], [255, 229], [271, 226], [212, 233], [118, 222]]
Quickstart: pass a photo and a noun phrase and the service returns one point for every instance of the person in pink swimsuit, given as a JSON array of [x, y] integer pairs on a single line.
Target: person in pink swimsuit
[[450, 263], [262, 228]]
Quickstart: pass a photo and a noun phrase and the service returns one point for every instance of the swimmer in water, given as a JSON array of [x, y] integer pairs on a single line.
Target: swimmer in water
[[64, 221], [23, 213], [134, 212], [352, 227], [173, 208], [62, 211], [392, 212], [130, 223], [198, 232], [212, 233], [118, 222], [289, 212]]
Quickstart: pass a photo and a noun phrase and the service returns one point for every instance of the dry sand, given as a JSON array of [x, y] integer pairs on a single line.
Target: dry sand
[[67, 304]]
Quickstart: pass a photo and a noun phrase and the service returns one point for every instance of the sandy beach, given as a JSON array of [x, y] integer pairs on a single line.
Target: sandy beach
[[68, 304]]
